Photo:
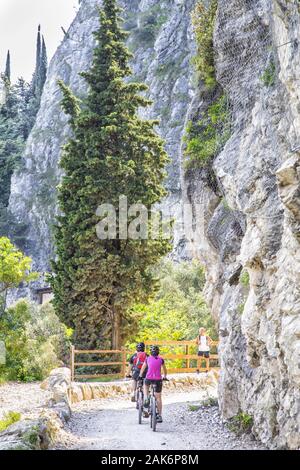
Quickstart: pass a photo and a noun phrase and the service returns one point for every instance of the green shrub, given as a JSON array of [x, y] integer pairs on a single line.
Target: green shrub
[[36, 341], [241, 423], [203, 18], [8, 419], [31, 438], [269, 76], [206, 137], [245, 278]]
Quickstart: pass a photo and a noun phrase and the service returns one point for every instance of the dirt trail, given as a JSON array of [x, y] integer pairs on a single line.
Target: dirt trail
[[112, 425]]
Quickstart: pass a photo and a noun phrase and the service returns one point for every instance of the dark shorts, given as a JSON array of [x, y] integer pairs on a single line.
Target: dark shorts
[[159, 384], [203, 354], [136, 374]]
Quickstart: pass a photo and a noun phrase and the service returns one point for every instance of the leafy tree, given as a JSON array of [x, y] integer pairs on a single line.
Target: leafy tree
[[15, 268], [178, 308], [113, 152], [36, 341]]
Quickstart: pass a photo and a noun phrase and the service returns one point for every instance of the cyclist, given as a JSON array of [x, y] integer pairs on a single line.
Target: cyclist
[[136, 362], [154, 363]]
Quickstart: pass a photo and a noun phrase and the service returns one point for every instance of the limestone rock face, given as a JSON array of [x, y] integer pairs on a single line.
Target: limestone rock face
[[257, 230]]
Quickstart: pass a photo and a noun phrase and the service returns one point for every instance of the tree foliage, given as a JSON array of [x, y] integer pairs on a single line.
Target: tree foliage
[[113, 152], [203, 18], [178, 308], [17, 117], [206, 137], [36, 341], [14, 266]]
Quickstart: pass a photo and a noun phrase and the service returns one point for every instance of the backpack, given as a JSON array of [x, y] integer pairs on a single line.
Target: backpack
[[139, 360]]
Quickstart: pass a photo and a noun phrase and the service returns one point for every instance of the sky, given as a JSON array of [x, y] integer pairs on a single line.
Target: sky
[[19, 20]]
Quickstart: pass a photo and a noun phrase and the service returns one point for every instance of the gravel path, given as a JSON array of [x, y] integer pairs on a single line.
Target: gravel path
[[24, 398], [112, 425]]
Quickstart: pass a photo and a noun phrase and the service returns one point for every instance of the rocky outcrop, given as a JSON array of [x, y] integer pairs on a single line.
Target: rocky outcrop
[[251, 218], [59, 384], [29, 434], [40, 432]]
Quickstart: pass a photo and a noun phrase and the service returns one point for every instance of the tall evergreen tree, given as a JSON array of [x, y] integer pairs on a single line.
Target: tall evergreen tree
[[43, 66], [19, 104], [113, 152], [36, 77], [7, 73]]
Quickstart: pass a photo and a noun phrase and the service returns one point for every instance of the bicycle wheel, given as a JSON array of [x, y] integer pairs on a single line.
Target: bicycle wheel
[[154, 414], [140, 407], [150, 411]]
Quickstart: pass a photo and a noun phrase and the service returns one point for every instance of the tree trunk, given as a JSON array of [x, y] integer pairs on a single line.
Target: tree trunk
[[115, 334]]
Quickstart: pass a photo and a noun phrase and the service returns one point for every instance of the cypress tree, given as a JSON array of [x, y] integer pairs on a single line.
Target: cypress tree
[[36, 75], [43, 66], [7, 73], [113, 152]]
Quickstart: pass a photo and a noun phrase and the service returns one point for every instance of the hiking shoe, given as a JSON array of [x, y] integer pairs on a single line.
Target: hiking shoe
[[146, 414], [133, 399], [159, 419]]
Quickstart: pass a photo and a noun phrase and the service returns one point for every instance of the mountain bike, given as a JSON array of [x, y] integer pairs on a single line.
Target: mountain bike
[[140, 399], [153, 411]]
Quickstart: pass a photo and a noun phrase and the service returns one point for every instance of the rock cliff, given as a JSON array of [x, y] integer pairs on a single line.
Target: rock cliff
[[248, 230]]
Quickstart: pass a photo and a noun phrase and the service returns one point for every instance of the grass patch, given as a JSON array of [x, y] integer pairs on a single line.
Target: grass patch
[[9, 418], [241, 423], [194, 407]]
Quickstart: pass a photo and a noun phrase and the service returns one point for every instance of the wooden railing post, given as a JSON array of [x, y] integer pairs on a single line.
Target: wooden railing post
[[187, 351], [72, 362]]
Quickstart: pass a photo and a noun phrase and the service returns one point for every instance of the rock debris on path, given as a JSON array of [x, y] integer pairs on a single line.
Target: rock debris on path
[[112, 425]]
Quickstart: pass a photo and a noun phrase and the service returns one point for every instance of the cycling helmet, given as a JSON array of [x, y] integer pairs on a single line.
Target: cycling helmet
[[140, 347], [154, 350]]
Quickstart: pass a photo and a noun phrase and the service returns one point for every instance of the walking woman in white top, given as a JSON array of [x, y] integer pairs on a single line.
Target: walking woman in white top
[[203, 341]]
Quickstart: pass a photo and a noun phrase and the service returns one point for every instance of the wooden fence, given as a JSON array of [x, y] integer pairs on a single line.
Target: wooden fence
[[120, 359]]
